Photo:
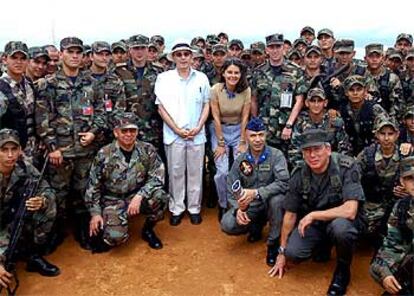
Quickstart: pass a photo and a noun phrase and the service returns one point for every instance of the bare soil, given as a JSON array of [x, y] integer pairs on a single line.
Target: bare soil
[[195, 260]]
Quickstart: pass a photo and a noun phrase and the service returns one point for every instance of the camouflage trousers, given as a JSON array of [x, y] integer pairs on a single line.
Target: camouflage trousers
[[37, 226], [377, 216], [70, 179], [115, 216]]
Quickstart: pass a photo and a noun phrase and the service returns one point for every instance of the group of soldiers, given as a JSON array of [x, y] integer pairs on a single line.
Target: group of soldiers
[[328, 161]]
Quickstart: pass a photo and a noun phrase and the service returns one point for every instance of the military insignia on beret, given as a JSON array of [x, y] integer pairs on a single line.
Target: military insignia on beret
[[246, 168]]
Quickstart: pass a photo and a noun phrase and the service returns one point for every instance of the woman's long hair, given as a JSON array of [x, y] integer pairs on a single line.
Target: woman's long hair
[[242, 84]]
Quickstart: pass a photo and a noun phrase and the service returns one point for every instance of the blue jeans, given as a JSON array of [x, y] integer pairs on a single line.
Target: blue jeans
[[231, 135]]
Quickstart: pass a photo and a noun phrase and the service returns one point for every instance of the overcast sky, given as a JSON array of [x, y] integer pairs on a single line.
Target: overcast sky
[[38, 22]]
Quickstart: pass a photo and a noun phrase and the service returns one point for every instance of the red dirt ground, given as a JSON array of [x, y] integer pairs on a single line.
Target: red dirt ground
[[195, 260]]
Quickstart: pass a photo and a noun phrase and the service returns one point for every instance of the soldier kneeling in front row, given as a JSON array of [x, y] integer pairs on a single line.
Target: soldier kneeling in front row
[[15, 176], [126, 179]]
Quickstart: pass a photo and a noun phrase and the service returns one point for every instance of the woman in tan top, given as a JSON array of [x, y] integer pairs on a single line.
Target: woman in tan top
[[230, 108]]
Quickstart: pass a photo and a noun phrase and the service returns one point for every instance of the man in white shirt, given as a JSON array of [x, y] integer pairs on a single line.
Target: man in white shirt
[[183, 96]]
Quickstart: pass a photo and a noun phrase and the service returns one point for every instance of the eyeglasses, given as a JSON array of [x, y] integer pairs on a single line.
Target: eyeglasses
[[129, 130], [182, 54]]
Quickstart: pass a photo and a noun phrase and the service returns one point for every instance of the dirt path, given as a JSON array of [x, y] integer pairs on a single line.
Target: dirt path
[[195, 260]]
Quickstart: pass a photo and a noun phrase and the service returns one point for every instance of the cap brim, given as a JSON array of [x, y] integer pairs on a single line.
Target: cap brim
[[131, 125], [21, 51], [313, 144], [5, 141], [407, 174], [275, 43]]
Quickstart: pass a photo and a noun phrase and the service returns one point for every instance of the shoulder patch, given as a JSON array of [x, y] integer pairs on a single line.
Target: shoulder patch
[[346, 161]]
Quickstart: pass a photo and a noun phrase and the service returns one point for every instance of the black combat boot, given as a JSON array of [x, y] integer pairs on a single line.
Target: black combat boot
[[340, 279], [36, 263], [56, 237], [272, 252], [82, 230], [149, 235], [98, 245]]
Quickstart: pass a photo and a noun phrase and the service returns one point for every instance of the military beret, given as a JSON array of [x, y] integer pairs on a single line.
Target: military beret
[[407, 166], [126, 120], [100, 46], [69, 42], [236, 42], [410, 53], [354, 79], [344, 45], [16, 46], [307, 29], [382, 121], [374, 47], [313, 48], [274, 39], [316, 92], [326, 31], [219, 48], [258, 47], [120, 45], [138, 40], [38, 52], [393, 53], [313, 137], [256, 124], [9, 135], [405, 36], [300, 41]]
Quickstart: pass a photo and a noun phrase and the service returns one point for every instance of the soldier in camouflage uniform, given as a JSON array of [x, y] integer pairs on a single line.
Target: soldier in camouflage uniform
[[359, 113], [394, 60], [407, 127], [277, 94], [379, 164], [15, 175], [139, 76], [404, 42], [126, 179], [388, 84], [119, 52], [159, 41], [69, 117], [235, 48], [37, 65], [258, 53], [110, 88], [317, 117], [326, 40], [407, 78], [219, 54], [392, 266], [53, 54], [308, 33], [16, 96], [263, 175]]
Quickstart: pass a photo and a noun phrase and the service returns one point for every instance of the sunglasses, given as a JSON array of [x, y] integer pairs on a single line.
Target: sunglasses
[[182, 54], [128, 130]]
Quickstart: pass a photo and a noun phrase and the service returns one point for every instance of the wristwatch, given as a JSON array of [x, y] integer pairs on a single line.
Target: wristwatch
[[258, 196], [281, 250], [288, 126]]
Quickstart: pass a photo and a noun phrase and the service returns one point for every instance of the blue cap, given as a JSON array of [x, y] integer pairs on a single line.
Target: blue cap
[[256, 124]]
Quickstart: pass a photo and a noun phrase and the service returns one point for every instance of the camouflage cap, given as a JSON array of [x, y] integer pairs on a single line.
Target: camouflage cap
[[38, 52], [410, 53], [313, 137], [157, 39], [316, 92], [255, 124], [374, 47], [407, 166], [300, 41], [69, 42], [313, 48], [292, 52], [153, 45], [9, 135], [258, 46], [409, 111], [393, 53], [138, 40], [405, 36], [344, 45], [165, 56], [219, 48], [197, 52], [120, 45], [16, 46], [352, 80], [212, 39], [326, 31], [236, 42], [100, 46], [197, 40], [274, 39], [382, 121], [222, 34], [126, 120], [87, 49], [246, 52], [307, 29]]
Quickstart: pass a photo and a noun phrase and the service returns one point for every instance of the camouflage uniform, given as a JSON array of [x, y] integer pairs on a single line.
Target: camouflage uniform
[[399, 242], [140, 97], [269, 86], [338, 138], [37, 224], [63, 110], [113, 182]]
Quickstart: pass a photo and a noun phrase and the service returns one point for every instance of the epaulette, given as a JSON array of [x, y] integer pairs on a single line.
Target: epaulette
[[346, 161]]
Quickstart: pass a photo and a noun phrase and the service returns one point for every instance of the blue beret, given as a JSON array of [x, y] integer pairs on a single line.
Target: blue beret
[[256, 124]]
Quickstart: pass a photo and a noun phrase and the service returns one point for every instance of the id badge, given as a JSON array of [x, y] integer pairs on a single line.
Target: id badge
[[286, 100], [108, 105], [87, 110]]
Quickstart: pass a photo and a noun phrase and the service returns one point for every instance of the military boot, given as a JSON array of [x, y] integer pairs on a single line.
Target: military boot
[[272, 252], [36, 263], [340, 279], [82, 230], [149, 235]]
